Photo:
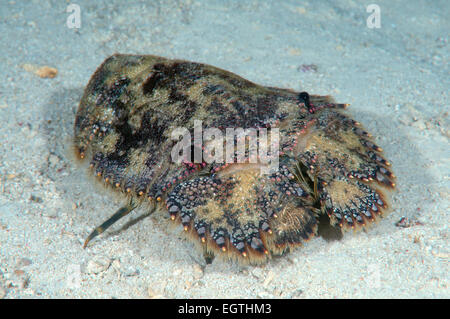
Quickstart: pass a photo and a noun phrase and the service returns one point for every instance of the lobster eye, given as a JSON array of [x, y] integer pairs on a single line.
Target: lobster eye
[[304, 96]]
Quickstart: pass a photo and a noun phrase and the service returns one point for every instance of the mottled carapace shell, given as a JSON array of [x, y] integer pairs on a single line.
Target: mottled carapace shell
[[327, 165]]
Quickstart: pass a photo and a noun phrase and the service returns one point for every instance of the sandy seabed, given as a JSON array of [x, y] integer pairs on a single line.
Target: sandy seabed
[[395, 77]]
